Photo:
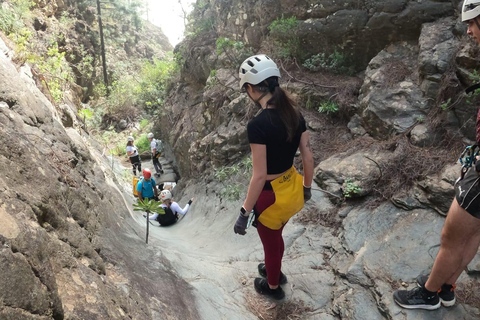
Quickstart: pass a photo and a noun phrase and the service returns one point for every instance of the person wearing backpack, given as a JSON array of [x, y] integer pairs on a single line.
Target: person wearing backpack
[[132, 153], [146, 186], [172, 209], [155, 147]]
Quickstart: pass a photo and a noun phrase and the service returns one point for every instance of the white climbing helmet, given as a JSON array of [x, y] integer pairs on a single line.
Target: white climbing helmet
[[130, 138], [150, 135], [258, 68], [166, 194], [470, 9]]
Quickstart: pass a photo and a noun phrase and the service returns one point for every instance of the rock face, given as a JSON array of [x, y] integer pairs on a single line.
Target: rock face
[[67, 248]]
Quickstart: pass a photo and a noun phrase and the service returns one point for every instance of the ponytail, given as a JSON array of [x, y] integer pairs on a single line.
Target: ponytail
[[285, 106]]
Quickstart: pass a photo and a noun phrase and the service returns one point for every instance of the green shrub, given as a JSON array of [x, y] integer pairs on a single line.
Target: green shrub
[[350, 188], [144, 123], [328, 107], [335, 62], [14, 14], [143, 144], [284, 32], [151, 90]]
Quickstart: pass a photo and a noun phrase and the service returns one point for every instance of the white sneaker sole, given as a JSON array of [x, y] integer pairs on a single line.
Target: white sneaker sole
[[447, 303], [420, 306]]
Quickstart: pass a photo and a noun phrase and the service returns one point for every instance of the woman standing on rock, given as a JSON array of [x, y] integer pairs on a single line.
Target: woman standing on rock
[[132, 153], [276, 191]]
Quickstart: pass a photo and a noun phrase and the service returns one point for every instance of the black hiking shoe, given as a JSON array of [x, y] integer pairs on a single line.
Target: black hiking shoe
[[446, 294], [263, 272], [261, 286], [417, 298]]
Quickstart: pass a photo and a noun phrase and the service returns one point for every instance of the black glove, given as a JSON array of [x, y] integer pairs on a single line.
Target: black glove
[[307, 193], [190, 201], [241, 224]]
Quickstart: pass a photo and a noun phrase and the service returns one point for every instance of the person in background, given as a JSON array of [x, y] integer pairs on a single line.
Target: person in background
[[146, 186], [276, 191], [171, 216], [156, 153], [460, 236], [132, 153]]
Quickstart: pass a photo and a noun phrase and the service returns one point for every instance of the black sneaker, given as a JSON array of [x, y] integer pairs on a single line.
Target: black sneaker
[[417, 298], [446, 294], [263, 272], [261, 286]]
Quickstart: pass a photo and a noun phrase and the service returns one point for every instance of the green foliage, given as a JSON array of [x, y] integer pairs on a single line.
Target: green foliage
[[143, 144], [13, 15], [335, 62], [232, 192], [235, 51], [328, 107], [445, 105], [475, 76], [350, 188], [148, 206], [152, 87], [56, 70], [144, 123], [236, 173], [284, 32], [85, 113]]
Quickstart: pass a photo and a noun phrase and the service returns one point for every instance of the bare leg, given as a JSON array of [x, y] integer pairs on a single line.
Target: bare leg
[[459, 240]]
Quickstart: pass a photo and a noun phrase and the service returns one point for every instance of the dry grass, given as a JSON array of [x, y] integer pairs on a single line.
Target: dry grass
[[469, 293], [395, 72], [328, 219], [408, 164], [268, 310]]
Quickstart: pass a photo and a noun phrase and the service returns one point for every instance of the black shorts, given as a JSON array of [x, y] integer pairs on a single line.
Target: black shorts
[[467, 192]]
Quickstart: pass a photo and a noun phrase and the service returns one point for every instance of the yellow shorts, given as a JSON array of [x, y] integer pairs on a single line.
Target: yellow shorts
[[280, 199]]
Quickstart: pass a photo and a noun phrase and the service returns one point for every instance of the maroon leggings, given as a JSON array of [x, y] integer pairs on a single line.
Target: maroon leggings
[[273, 248]]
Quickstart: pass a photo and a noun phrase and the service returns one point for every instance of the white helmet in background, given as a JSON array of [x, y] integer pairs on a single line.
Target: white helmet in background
[[130, 138], [470, 9], [166, 194], [150, 135], [258, 68]]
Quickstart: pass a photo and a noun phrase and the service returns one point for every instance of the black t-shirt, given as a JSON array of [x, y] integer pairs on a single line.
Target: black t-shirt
[[267, 128]]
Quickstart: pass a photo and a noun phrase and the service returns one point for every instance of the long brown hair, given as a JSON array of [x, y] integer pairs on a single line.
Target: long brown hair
[[284, 104]]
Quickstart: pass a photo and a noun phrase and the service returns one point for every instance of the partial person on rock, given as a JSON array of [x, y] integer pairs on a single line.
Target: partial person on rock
[[460, 236], [133, 156], [172, 209], [155, 147], [276, 191], [146, 186]]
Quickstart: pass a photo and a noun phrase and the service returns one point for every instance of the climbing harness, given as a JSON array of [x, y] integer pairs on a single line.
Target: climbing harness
[[251, 219], [468, 156]]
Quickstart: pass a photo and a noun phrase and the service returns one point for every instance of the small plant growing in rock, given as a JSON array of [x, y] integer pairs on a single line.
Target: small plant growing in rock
[[335, 62], [351, 188], [328, 107], [444, 106]]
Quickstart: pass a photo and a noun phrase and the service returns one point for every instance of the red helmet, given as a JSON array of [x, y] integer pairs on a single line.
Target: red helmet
[[147, 173]]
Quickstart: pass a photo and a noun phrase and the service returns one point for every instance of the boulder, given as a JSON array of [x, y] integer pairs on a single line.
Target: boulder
[[391, 101]]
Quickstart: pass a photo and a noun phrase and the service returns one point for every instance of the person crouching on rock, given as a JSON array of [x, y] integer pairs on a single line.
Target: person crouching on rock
[[132, 153], [276, 191], [172, 209]]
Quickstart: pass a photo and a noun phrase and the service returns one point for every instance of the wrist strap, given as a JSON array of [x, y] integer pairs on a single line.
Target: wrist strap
[[244, 212]]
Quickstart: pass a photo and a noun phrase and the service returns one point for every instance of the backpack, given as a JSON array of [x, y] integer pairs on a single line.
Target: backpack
[[159, 145], [135, 182], [167, 218]]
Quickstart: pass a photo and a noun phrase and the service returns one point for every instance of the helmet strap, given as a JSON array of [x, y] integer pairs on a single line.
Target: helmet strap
[[257, 102]]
